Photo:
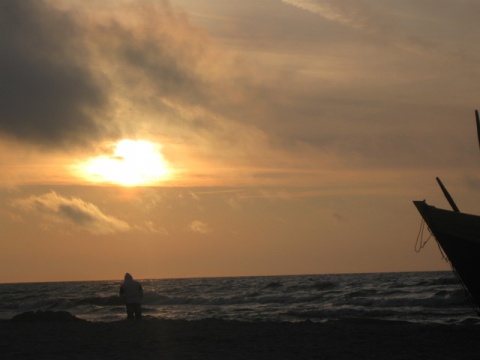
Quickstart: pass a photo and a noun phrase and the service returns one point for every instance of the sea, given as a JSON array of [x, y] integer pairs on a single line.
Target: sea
[[419, 297]]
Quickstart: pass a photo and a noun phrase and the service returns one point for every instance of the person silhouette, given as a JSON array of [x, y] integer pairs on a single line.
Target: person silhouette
[[131, 292]]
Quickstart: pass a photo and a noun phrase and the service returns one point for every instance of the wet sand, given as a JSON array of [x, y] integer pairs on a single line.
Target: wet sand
[[218, 339]]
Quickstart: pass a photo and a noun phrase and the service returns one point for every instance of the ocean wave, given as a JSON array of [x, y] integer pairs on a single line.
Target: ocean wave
[[408, 296]]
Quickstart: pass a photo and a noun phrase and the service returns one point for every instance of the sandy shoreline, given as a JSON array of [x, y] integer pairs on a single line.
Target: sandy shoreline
[[218, 339]]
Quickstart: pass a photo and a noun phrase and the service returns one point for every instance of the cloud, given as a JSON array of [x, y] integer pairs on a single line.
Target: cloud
[[333, 11], [135, 69], [200, 227], [48, 92], [73, 76], [376, 19], [70, 75], [151, 227], [54, 208], [290, 112], [381, 21]]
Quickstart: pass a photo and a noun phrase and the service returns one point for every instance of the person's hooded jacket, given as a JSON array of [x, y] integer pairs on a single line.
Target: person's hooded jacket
[[131, 290]]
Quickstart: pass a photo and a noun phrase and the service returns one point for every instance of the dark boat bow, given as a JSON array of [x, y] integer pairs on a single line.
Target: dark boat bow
[[458, 234]]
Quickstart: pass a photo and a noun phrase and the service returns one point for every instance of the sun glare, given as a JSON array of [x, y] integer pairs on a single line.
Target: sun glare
[[133, 163]]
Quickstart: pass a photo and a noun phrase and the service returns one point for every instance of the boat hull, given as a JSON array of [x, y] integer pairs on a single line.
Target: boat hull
[[458, 234]]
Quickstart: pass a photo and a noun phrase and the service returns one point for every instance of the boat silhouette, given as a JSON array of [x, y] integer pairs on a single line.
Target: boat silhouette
[[458, 235]]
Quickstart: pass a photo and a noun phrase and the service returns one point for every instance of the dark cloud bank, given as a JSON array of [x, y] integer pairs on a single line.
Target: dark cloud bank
[[48, 94], [53, 89]]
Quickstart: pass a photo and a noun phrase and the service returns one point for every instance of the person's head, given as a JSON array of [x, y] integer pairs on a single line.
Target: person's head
[[128, 276]]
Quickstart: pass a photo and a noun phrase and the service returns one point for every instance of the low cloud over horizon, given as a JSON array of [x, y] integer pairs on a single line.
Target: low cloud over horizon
[[52, 208]]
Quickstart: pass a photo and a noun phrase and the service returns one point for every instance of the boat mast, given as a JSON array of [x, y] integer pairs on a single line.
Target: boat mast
[[478, 126], [444, 189], [448, 196]]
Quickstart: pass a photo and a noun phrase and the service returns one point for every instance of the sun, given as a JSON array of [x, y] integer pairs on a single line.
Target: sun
[[131, 163]]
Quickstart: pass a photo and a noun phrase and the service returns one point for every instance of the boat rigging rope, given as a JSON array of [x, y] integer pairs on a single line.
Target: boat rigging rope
[[420, 243]]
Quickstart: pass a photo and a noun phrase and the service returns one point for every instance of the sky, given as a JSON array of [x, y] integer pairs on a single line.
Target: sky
[[195, 138]]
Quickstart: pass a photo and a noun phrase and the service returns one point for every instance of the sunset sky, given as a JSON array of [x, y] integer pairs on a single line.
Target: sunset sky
[[192, 138]]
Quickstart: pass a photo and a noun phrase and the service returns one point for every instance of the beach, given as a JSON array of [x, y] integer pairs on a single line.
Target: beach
[[150, 338], [343, 316]]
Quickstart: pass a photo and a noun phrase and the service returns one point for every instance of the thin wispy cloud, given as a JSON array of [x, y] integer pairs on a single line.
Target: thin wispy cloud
[[56, 209], [368, 17], [334, 11], [199, 227], [151, 227]]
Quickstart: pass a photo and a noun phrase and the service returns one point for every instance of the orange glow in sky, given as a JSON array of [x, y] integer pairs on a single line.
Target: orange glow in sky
[[191, 138]]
